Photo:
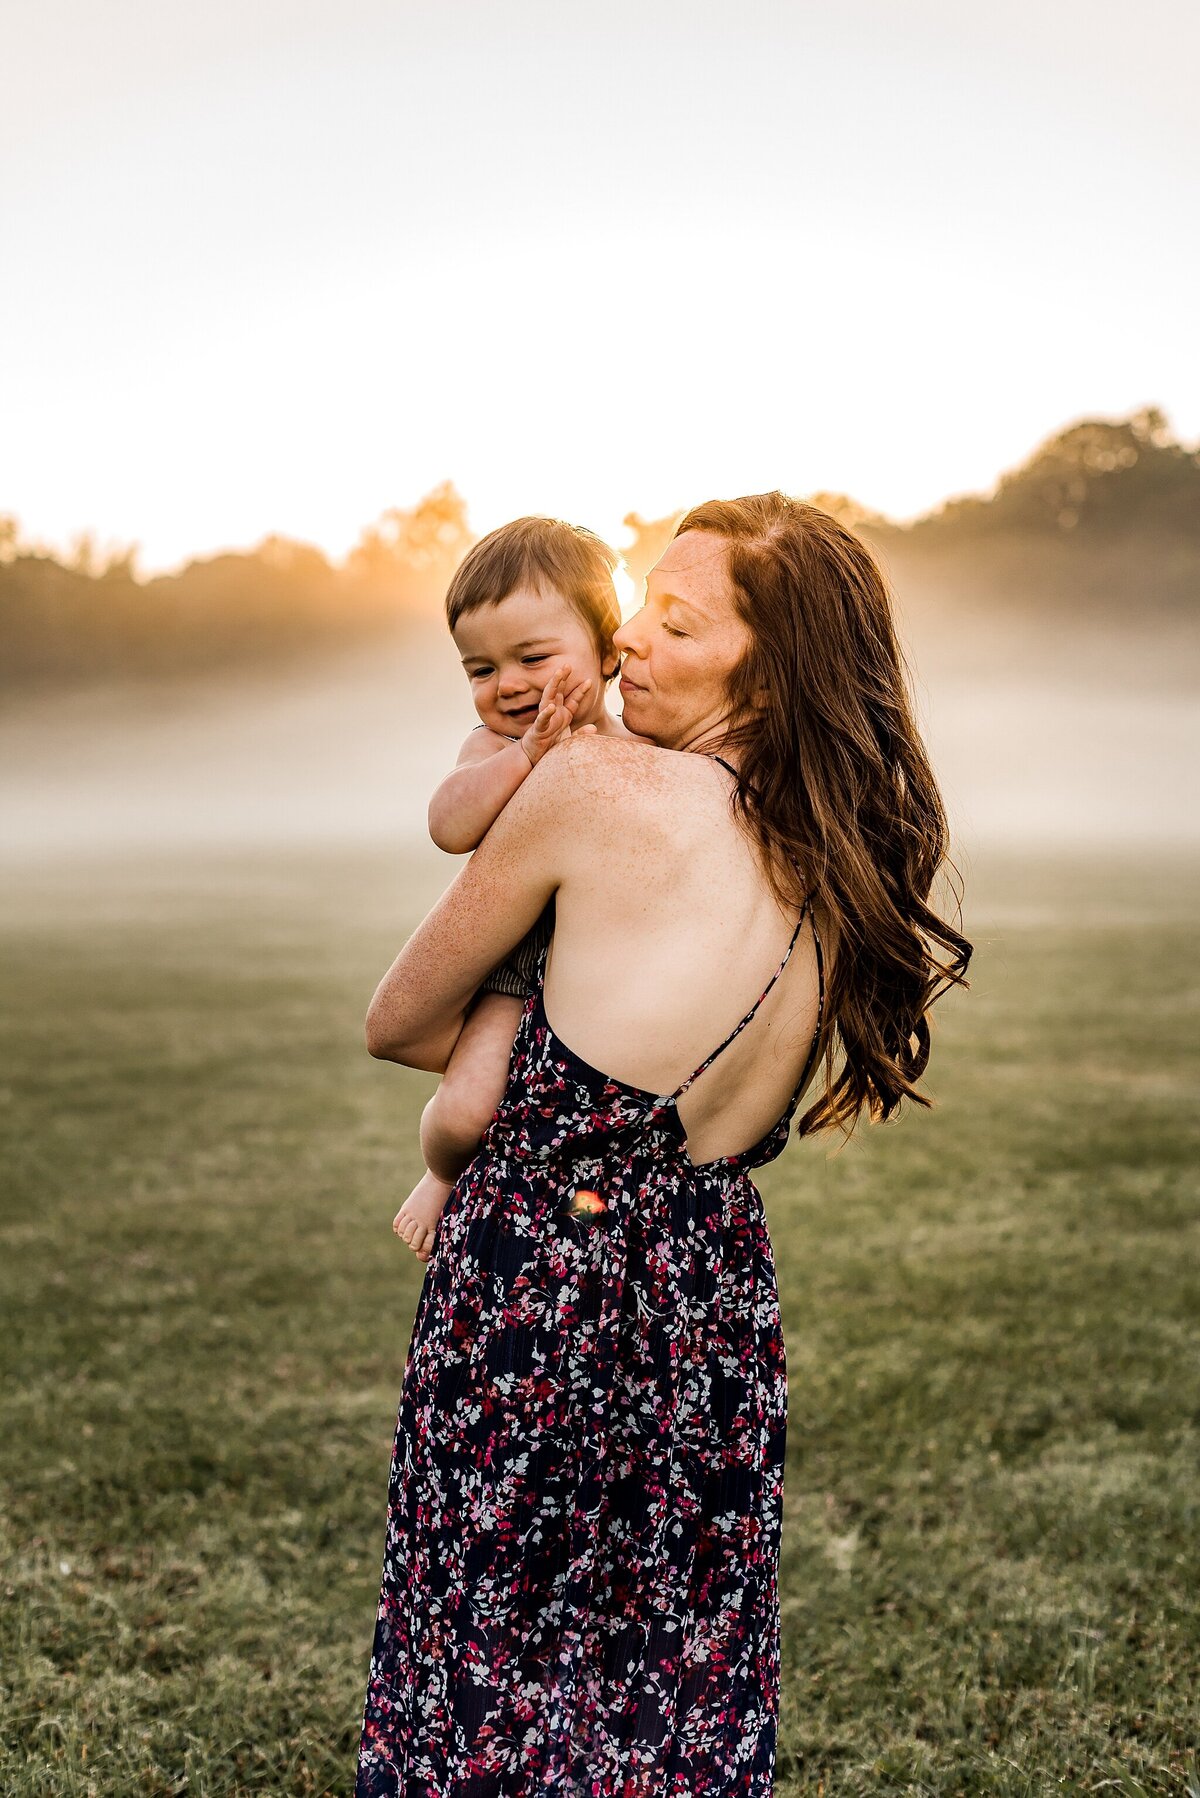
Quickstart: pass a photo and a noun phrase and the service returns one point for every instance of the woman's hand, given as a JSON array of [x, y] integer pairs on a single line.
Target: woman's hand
[[558, 707]]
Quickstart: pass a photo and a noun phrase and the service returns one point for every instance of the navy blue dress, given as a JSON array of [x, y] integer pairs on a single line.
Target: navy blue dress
[[580, 1579]]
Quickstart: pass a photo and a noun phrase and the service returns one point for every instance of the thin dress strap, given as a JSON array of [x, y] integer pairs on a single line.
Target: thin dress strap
[[739, 1027]]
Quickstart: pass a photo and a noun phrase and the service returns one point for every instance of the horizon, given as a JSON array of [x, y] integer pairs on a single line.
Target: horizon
[[142, 571]]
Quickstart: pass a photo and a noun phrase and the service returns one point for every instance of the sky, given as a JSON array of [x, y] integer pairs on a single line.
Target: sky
[[275, 266]]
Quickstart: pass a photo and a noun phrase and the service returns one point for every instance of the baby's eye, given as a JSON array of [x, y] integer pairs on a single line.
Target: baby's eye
[[534, 658], [480, 673]]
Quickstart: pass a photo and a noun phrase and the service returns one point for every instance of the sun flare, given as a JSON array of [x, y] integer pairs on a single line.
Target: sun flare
[[628, 597]]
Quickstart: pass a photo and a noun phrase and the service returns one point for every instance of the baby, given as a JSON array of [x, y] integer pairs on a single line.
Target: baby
[[532, 611]]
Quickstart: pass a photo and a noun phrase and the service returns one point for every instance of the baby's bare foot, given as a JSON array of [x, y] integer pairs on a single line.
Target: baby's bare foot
[[417, 1218]]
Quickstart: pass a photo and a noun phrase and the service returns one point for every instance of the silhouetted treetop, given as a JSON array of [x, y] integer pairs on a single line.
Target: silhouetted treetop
[[650, 537], [91, 616], [1110, 475], [414, 551]]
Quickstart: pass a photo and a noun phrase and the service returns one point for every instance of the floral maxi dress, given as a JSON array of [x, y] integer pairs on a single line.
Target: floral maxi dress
[[580, 1591]]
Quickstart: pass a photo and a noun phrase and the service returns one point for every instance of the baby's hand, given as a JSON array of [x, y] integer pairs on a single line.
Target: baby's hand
[[558, 706]]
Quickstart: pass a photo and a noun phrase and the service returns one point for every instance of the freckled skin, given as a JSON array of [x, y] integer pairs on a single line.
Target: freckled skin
[[666, 928], [597, 1299], [680, 649]]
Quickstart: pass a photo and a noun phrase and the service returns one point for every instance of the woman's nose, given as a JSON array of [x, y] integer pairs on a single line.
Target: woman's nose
[[626, 639]]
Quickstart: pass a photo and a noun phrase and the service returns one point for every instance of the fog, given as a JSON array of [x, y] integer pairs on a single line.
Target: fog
[[348, 751], [1025, 765], [345, 751]]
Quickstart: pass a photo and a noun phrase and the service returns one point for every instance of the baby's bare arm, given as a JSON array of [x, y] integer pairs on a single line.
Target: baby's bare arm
[[489, 771], [467, 803]]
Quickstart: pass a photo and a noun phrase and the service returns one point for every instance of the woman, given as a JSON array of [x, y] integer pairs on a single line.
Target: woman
[[580, 1577]]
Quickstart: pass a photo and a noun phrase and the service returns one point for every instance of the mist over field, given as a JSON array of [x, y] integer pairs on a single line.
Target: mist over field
[[271, 698], [346, 750], [349, 749]]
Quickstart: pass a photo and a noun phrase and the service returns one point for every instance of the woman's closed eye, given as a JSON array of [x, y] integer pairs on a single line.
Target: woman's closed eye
[[672, 632]]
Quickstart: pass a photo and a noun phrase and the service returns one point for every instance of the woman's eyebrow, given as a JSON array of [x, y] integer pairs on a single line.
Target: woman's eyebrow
[[675, 599]]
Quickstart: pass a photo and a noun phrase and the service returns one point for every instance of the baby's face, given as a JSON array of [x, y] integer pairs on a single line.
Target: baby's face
[[510, 650]]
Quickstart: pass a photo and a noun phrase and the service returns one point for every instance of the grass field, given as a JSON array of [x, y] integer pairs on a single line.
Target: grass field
[[992, 1551]]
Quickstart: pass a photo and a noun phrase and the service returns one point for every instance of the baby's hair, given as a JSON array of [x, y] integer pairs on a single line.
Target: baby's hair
[[539, 553]]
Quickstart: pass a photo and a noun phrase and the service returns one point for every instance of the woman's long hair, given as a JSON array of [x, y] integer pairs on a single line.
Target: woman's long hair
[[835, 781]]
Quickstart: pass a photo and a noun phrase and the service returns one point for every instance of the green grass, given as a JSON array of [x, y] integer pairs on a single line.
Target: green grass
[[992, 1549]]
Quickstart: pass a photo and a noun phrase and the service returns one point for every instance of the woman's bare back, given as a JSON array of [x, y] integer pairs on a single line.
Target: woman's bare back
[[666, 934]]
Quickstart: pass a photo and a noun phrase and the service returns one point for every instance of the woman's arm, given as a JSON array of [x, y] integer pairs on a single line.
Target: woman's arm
[[421, 1002]]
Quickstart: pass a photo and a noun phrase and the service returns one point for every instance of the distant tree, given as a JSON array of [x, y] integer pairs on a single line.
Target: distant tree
[[412, 552], [1106, 474], [276, 599], [116, 560], [301, 561], [120, 563], [858, 518], [83, 557], [1152, 425], [650, 539]]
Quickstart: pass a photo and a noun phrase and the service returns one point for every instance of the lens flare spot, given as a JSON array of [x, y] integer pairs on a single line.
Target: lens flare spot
[[585, 1203]]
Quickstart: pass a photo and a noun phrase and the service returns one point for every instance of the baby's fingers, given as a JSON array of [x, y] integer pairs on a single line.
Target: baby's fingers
[[547, 706]]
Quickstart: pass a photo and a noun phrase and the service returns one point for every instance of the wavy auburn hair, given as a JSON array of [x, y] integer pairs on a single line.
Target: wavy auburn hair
[[835, 782]]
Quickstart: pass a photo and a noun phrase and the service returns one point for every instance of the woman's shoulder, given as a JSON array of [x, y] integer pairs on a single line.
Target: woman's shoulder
[[623, 766], [604, 789]]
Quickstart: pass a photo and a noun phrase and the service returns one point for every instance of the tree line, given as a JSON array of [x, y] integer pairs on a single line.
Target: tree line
[[1103, 514]]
